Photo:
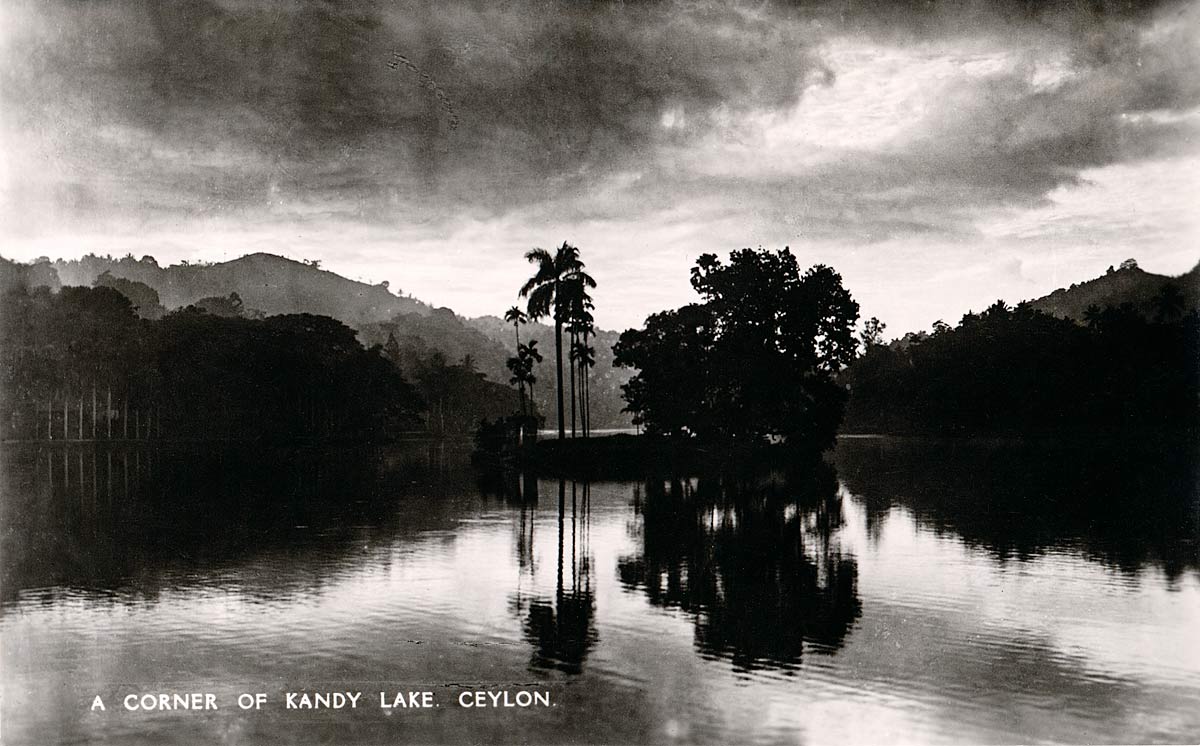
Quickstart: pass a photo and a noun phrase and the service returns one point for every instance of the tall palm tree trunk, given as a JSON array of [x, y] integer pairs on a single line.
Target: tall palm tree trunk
[[572, 388], [521, 384], [582, 420], [585, 396], [562, 427]]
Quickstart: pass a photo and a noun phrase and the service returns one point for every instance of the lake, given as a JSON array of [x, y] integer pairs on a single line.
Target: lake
[[907, 591]]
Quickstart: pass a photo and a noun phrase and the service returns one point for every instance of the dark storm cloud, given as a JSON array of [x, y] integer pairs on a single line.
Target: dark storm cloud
[[385, 111], [345, 99]]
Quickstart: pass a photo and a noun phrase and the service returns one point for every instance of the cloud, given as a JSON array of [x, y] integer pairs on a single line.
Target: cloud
[[475, 103], [657, 130]]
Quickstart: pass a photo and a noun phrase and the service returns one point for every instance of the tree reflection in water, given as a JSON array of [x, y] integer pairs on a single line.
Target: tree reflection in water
[[754, 560], [132, 516], [561, 630], [1127, 505]]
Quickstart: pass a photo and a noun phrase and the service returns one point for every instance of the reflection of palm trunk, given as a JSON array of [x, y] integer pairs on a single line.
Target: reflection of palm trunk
[[562, 504], [573, 341], [574, 522]]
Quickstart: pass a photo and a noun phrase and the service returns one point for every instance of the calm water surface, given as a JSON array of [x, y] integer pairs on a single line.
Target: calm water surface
[[907, 593]]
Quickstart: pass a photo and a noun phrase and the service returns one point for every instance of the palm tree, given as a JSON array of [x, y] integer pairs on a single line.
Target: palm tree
[[578, 317], [516, 317], [587, 362], [531, 355], [583, 357], [516, 364], [546, 298], [521, 366]]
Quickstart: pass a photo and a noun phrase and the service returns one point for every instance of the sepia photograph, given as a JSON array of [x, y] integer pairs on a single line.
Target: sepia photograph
[[813, 372]]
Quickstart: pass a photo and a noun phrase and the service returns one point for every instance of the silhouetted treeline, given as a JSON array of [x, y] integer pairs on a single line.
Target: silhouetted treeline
[[1016, 371], [756, 359], [193, 374]]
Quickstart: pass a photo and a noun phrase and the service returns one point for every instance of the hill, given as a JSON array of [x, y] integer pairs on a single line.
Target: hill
[[269, 285], [1128, 284], [265, 282]]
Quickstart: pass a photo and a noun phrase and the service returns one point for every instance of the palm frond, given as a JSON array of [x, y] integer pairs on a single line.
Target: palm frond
[[541, 300], [546, 270]]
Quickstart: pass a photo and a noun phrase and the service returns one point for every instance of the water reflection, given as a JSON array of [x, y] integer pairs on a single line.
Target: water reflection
[[706, 609], [754, 561], [1123, 506], [562, 629], [130, 518]]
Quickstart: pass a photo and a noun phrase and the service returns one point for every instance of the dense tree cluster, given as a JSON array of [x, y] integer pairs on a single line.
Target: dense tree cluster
[[755, 359], [143, 297], [203, 376], [1017, 371], [458, 396]]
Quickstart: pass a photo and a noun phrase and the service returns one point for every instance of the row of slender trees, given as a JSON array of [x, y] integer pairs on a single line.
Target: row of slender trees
[[558, 289], [191, 374]]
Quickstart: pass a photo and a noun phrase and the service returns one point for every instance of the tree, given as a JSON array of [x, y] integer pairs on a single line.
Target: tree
[[546, 298], [144, 298], [755, 359], [521, 366], [872, 333], [516, 317], [583, 356], [531, 355], [226, 306], [578, 306], [1020, 372], [516, 365], [672, 393]]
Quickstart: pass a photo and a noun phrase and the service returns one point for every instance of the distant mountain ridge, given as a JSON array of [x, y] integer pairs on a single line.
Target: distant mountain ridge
[[1127, 284], [265, 282]]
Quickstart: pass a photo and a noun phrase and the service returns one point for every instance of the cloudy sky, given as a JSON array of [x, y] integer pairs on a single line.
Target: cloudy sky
[[939, 155]]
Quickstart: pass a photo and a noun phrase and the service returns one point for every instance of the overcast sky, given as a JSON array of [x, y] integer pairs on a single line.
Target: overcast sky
[[939, 155]]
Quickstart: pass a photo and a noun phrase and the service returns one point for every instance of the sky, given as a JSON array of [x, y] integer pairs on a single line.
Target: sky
[[939, 155]]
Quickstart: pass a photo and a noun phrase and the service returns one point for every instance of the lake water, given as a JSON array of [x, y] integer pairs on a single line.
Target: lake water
[[911, 592]]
